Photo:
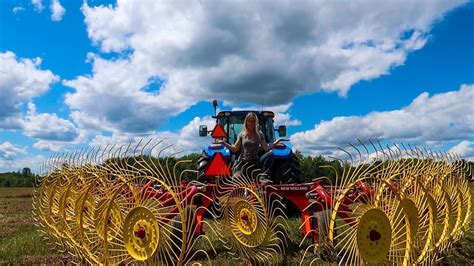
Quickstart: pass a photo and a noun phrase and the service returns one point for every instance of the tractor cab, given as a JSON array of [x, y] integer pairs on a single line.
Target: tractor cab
[[216, 159], [232, 122]]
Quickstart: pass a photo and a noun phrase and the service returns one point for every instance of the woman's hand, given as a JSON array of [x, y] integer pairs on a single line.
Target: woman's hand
[[280, 140], [222, 142], [274, 144]]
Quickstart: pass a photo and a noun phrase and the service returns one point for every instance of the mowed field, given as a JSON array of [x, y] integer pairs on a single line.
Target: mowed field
[[21, 243]]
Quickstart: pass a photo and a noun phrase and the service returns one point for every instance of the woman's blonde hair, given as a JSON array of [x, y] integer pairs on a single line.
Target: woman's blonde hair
[[245, 130]]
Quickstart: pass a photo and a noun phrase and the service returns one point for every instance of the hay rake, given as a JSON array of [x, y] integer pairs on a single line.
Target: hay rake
[[126, 204], [392, 206], [118, 205]]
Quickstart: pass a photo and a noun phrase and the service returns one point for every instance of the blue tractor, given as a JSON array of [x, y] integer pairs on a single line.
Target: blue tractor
[[214, 157]]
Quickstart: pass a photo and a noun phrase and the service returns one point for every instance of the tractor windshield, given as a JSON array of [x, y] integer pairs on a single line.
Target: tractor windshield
[[233, 126]]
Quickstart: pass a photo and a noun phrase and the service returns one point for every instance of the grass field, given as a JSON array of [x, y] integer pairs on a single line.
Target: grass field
[[21, 243]]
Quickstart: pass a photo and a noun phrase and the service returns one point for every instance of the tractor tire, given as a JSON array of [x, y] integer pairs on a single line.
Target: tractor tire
[[177, 234], [325, 248], [286, 171], [201, 167]]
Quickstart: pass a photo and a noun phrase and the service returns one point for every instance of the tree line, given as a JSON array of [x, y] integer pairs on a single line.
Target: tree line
[[23, 178], [310, 168]]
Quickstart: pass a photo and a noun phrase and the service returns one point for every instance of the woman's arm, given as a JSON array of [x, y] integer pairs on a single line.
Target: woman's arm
[[233, 148], [267, 147]]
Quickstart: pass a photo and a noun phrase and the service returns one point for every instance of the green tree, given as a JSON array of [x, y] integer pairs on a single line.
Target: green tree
[[26, 172]]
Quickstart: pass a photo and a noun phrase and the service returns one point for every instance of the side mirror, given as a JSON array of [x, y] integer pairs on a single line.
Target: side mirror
[[282, 131], [202, 130]]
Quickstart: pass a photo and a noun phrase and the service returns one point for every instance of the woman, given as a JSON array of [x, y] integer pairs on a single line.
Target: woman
[[249, 141]]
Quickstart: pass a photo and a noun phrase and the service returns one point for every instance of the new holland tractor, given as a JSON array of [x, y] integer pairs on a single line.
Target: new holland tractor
[[284, 170]]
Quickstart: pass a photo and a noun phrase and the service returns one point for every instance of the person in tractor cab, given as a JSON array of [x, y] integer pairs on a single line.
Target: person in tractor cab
[[248, 142]]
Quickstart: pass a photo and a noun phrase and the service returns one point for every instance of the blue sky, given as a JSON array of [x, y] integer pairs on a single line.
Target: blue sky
[[80, 74]]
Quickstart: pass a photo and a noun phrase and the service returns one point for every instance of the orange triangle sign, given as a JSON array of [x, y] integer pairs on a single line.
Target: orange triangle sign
[[218, 132], [217, 166]]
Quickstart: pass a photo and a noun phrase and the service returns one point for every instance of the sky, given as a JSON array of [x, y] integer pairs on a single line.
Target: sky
[[76, 74]]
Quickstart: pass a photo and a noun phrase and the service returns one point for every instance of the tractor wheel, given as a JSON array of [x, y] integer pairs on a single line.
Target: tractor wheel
[[201, 167], [325, 248], [176, 235], [287, 171]]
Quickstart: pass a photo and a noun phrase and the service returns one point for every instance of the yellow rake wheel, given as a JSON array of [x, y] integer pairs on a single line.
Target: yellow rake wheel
[[251, 221], [411, 211], [90, 218], [246, 216], [56, 192], [112, 220], [374, 235], [141, 233], [444, 210], [423, 241], [147, 231], [54, 214], [461, 213], [88, 236], [42, 204], [454, 217], [373, 229], [468, 203], [85, 207], [67, 207], [420, 209], [463, 200]]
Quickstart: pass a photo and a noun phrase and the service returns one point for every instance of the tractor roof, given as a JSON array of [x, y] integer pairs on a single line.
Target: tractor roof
[[244, 113]]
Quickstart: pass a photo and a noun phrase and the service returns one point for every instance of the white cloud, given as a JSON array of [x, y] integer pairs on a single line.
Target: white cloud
[[238, 53], [46, 126], [18, 9], [114, 99], [57, 10], [186, 140], [35, 163], [465, 149], [282, 115], [14, 158], [81, 137], [49, 145], [439, 118], [8, 151], [189, 139], [21, 81], [38, 4]]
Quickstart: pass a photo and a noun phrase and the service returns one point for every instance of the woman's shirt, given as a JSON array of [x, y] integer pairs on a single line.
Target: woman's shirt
[[250, 146]]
